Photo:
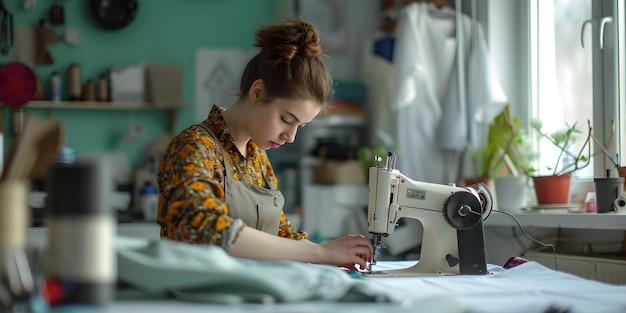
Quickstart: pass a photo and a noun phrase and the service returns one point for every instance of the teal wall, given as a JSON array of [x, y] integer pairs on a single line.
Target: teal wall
[[166, 31]]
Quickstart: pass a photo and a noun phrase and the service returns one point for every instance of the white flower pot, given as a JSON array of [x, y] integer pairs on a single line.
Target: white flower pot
[[512, 192]]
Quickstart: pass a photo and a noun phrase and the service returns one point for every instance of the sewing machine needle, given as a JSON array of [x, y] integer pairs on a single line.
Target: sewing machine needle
[[377, 245]]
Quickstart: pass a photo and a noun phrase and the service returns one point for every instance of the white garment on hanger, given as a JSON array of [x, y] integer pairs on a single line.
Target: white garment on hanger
[[432, 129]]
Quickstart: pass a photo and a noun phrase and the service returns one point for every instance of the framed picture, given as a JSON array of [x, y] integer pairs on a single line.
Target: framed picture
[[329, 17]]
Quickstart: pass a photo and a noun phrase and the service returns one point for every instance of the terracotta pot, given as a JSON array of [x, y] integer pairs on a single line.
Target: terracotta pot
[[621, 171], [552, 189]]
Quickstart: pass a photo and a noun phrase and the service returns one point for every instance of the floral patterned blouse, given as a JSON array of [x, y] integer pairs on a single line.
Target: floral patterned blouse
[[191, 185]]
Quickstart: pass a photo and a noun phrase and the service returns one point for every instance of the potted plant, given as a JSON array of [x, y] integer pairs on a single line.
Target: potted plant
[[510, 158], [609, 187], [367, 155], [507, 144], [621, 170], [554, 187], [486, 160]]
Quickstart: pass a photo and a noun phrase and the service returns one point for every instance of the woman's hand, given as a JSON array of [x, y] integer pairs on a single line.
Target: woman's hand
[[344, 251], [347, 251]]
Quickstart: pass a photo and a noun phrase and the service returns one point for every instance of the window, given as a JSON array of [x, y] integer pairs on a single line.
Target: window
[[577, 70]]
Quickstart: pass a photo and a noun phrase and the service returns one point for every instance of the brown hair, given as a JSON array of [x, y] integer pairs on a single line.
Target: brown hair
[[289, 63]]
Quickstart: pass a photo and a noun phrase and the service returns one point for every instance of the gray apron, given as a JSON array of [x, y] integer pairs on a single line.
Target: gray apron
[[256, 206]]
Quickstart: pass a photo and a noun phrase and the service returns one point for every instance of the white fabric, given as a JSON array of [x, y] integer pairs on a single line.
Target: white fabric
[[432, 126], [527, 288]]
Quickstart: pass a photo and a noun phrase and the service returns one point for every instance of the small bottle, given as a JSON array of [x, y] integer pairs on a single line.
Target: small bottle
[[149, 198], [590, 203], [55, 87]]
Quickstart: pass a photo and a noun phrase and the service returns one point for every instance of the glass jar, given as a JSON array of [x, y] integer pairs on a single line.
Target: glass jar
[[149, 201]]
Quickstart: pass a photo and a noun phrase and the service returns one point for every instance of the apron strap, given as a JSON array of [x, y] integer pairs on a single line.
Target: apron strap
[[227, 164]]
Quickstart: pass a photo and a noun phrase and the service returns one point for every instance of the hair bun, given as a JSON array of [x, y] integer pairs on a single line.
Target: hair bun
[[290, 63], [283, 42]]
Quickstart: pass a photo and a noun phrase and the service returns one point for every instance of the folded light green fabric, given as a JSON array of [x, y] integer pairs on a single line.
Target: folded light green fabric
[[164, 268]]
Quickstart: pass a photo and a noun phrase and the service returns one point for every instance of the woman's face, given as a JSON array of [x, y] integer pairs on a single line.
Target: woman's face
[[272, 124]]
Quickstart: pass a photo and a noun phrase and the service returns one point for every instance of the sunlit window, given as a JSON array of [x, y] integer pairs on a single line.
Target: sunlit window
[[563, 71]]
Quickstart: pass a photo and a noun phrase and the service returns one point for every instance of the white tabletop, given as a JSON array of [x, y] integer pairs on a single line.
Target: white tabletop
[[527, 288]]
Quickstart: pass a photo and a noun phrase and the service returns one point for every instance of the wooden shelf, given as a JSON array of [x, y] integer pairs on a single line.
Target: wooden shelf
[[113, 106], [102, 105]]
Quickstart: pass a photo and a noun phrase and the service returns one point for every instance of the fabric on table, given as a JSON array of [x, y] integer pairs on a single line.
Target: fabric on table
[[525, 288], [514, 261], [203, 273]]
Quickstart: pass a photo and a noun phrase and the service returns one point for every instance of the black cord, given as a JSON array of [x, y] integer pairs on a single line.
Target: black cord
[[531, 238]]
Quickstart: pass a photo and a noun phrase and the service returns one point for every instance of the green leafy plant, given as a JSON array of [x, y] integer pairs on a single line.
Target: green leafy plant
[[367, 156], [564, 141], [506, 143]]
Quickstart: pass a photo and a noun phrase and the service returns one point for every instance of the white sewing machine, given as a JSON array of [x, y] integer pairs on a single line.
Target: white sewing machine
[[452, 242]]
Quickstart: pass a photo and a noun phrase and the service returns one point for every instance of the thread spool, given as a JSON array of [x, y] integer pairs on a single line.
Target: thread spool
[[74, 83], [81, 228], [89, 92], [103, 89]]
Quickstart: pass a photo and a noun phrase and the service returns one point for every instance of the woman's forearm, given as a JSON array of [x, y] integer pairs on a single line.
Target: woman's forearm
[[255, 244]]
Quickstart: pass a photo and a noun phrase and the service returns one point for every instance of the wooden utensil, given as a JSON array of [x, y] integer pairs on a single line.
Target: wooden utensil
[[32, 148], [49, 145]]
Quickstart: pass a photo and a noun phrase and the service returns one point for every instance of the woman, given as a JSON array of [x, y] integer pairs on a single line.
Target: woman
[[216, 184]]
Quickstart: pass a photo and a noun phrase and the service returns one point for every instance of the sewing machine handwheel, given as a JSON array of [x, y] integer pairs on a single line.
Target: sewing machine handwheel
[[484, 194], [462, 210]]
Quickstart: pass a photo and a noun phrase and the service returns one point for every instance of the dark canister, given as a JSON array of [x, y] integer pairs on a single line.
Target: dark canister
[[607, 190], [81, 255]]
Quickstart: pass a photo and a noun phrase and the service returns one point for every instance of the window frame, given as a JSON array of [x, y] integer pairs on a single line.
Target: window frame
[[609, 82], [519, 75]]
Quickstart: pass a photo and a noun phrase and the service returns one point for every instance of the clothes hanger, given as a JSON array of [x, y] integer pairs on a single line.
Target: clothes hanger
[[389, 22]]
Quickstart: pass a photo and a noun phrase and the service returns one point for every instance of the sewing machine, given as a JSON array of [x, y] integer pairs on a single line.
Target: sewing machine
[[451, 216]]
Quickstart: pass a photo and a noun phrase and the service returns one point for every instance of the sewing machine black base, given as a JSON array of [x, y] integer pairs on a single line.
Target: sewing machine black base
[[472, 256]]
